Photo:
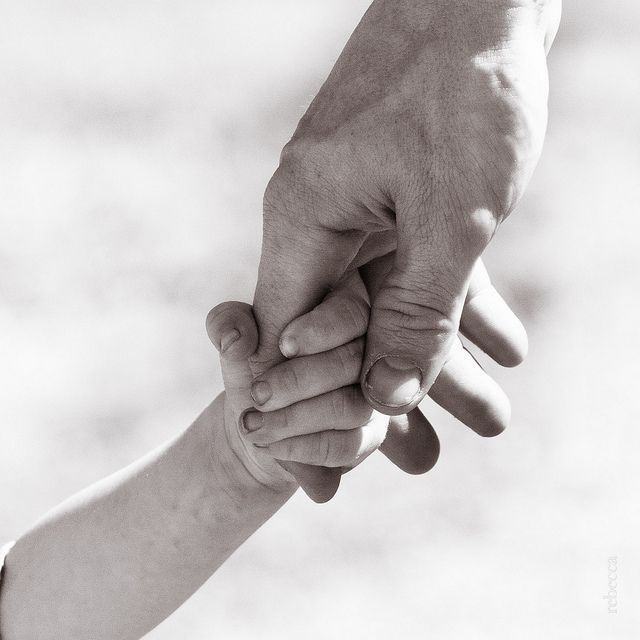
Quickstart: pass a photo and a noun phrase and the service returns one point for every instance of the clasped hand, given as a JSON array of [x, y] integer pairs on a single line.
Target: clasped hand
[[310, 409], [419, 144]]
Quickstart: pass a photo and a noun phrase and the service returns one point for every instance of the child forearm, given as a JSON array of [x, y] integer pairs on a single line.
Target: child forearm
[[115, 560]]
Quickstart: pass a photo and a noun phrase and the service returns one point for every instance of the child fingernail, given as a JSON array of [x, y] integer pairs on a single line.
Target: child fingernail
[[289, 346], [252, 421], [260, 392], [393, 382], [228, 339]]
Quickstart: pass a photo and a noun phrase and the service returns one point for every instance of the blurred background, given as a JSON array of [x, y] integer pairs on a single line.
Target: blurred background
[[136, 141]]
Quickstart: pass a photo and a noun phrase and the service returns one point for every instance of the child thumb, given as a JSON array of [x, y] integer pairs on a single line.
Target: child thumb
[[232, 329]]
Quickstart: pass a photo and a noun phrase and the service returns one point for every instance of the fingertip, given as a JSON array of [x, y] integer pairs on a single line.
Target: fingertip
[[427, 452], [515, 350], [488, 321], [319, 483], [232, 329], [466, 391], [393, 385], [492, 415], [289, 346], [412, 443], [228, 339]]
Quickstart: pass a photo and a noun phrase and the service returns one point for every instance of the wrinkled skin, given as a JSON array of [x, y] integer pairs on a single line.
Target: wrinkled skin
[[420, 142], [423, 137]]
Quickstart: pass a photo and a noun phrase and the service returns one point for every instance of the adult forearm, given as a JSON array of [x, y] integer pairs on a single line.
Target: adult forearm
[[115, 560]]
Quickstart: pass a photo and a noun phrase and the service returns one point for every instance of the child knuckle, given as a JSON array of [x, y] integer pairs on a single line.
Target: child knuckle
[[354, 313], [339, 402], [290, 378], [325, 448]]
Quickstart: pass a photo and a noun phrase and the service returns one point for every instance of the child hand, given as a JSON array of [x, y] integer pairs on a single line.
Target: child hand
[[308, 410]]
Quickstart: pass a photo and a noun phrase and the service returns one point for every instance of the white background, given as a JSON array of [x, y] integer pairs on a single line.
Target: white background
[[136, 139]]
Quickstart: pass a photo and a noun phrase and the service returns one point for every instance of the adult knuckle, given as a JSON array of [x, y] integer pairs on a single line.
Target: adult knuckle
[[304, 169], [290, 195], [422, 309], [321, 177], [278, 193], [480, 225], [468, 213], [290, 154]]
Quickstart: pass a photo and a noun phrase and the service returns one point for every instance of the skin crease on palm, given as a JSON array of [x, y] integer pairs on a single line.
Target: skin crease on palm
[[418, 145]]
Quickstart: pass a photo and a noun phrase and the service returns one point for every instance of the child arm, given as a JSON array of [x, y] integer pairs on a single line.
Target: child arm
[[115, 560]]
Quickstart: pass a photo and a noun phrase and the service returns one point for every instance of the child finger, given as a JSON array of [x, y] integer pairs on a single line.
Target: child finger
[[332, 448], [488, 321], [341, 317], [308, 376], [411, 443], [466, 391], [340, 410], [232, 329]]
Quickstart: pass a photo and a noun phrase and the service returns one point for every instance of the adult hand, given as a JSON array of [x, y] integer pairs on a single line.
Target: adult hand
[[327, 343], [421, 140]]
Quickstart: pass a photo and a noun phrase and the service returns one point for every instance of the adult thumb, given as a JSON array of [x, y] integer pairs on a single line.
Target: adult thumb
[[416, 310]]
